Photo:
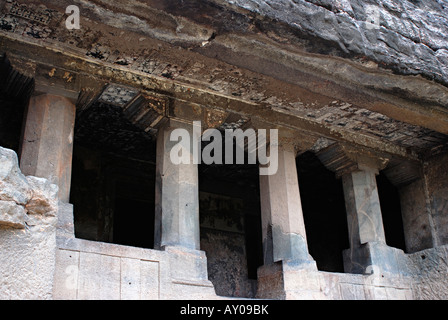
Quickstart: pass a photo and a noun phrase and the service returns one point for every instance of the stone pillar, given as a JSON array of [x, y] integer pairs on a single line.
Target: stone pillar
[[284, 236], [47, 145], [365, 223], [177, 207], [289, 271], [177, 192], [368, 251]]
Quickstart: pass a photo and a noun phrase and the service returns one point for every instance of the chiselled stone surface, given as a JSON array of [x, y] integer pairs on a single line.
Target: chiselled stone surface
[[430, 271], [27, 232]]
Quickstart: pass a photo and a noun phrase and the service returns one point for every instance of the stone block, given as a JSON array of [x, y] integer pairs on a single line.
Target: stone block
[[352, 291], [290, 280], [130, 286], [396, 294], [301, 279], [99, 277], [66, 276], [191, 291], [376, 257], [330, 285], [187, 264], [379, 293], [12, 215], [139, 279], [270, 282], [149, 280], [305, 295]]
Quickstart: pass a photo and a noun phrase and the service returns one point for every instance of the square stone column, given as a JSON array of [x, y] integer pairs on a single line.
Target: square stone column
[[177, 188], [365, 223], [284, 235], [47, 145], [368, 251], [287, 261], [177, 229]]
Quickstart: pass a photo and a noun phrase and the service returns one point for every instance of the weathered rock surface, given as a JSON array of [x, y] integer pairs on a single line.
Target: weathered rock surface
[[12, 215], [13, 184], [410, 36], [45, 197], [28, 207], [430, 269]]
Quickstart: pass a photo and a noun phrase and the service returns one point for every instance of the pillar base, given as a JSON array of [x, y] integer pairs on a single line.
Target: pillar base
[[375, 257], [290, 280], [188, 272]]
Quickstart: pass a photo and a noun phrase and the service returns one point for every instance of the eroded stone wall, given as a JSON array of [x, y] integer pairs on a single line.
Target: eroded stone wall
[[437, 188], [430, 270], [28, 209]]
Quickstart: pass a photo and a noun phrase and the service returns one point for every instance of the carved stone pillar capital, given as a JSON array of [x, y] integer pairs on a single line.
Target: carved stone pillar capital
[[343, 159], [294, 140]]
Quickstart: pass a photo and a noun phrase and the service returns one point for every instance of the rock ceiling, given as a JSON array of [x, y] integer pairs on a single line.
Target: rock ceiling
[[227, 58]]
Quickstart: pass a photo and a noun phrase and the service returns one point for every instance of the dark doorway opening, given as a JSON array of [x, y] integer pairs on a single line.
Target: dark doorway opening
[[324, 213], [113, 179], [133, 223], [15, 93], [230, 216], [391, 212]]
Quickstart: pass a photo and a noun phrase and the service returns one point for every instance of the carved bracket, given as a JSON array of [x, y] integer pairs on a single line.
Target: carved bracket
[[343, 159]]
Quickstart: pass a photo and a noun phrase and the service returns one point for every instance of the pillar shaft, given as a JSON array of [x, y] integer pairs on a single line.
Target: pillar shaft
[[47, 145], [368, 253], [284, 236], [177, 192], [365, 223]]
